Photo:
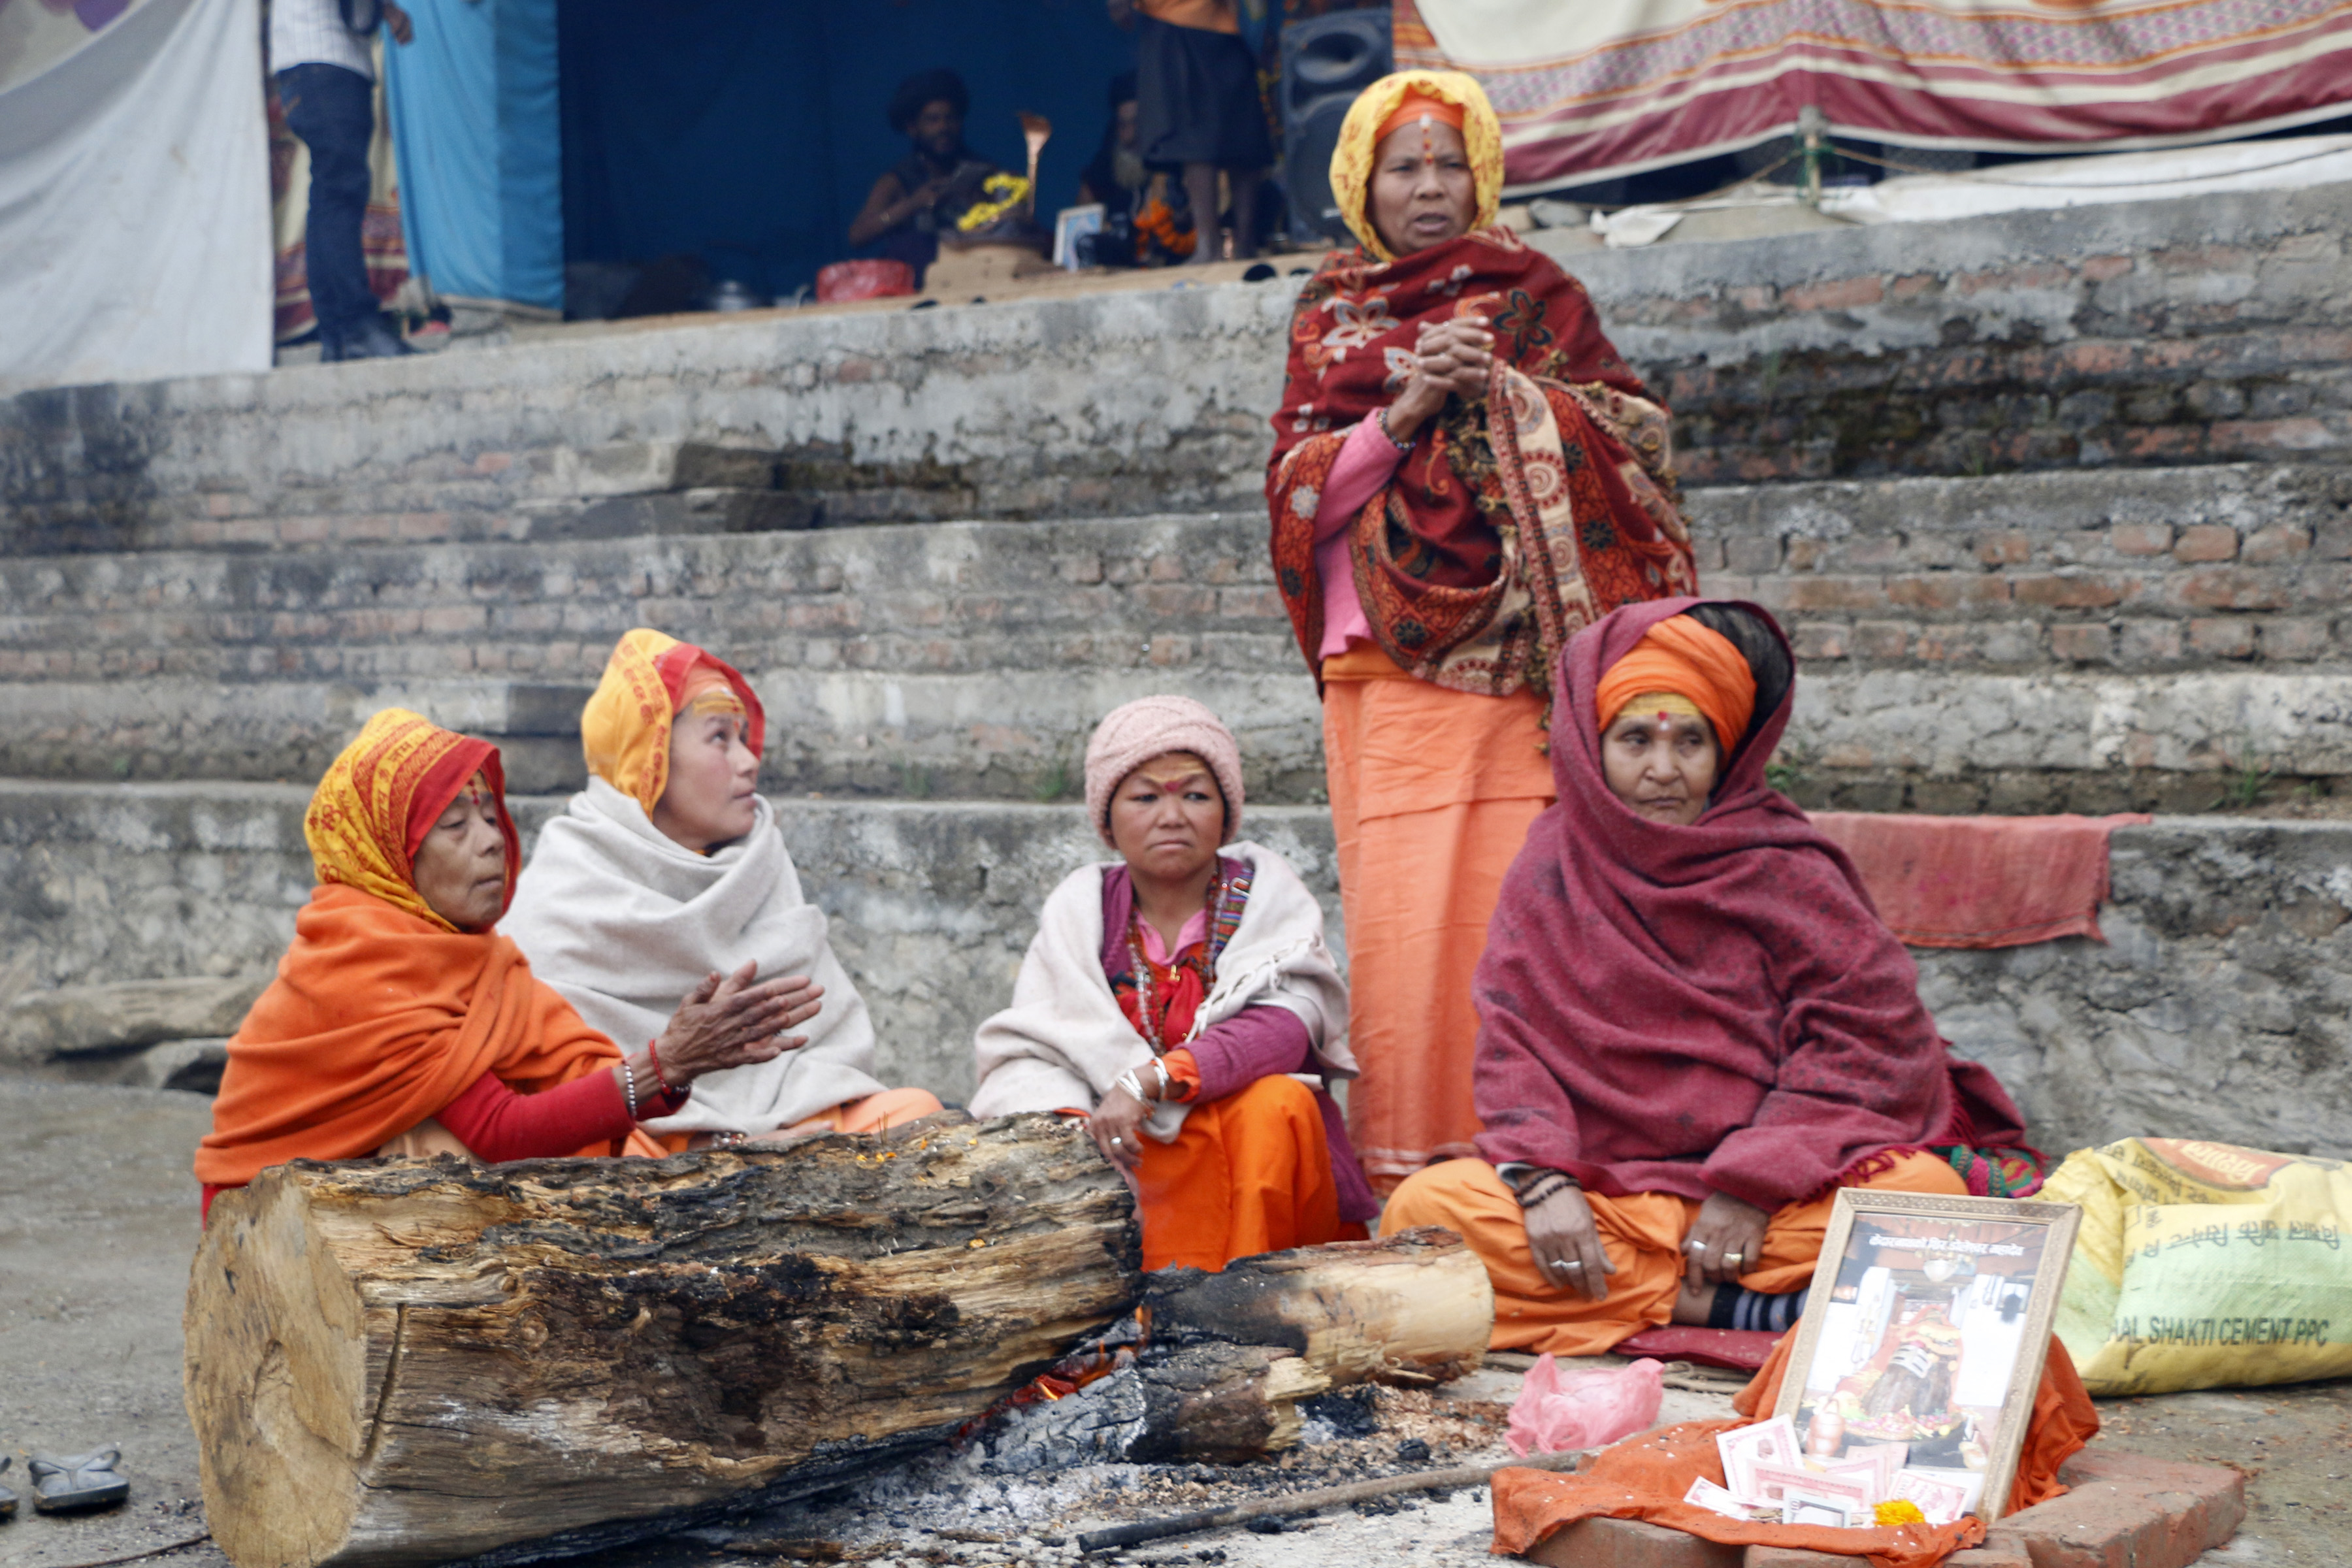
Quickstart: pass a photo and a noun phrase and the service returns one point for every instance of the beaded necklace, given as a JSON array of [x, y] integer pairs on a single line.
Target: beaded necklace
[[1223, 901]]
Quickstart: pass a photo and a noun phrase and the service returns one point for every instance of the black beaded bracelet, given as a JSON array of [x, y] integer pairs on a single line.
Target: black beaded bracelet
[[1544, 1186]]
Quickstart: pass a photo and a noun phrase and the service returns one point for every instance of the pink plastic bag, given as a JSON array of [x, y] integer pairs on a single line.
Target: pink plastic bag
[[1558, 1410]]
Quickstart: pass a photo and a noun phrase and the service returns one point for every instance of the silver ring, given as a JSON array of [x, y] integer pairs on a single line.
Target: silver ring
[[1116, 1141], [1694, 1247], [1573, 1263], [1731, 1258]]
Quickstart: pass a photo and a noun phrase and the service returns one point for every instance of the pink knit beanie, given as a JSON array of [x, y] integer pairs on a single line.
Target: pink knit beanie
[[1152, 727]]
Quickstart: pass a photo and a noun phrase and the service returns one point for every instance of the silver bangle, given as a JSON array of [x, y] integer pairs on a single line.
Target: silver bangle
[[1132, 1084], [629, 1087], [1381, 416], [1167, 1084]]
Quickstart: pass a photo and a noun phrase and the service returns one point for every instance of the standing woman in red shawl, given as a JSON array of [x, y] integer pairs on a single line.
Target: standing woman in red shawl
[[1693, 1026], [1465, 474]]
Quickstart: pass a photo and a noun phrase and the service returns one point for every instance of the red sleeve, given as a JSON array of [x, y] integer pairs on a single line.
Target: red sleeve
[[496, 1124]]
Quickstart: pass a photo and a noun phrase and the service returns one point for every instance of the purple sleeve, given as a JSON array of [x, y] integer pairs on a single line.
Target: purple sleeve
[[1367, 460], [1254, 1043]]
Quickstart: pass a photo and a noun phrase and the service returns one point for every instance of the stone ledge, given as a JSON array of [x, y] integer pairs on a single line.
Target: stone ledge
[[2228, 939]]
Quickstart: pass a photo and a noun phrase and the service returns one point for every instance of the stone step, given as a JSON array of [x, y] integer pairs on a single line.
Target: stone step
[[2213, 1013], [2143, 638], [2204, 329]]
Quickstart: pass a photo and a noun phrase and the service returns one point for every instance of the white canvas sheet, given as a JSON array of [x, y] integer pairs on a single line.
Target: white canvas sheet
[[135, 203]]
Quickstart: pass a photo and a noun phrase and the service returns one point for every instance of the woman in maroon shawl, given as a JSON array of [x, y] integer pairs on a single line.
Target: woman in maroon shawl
[[1694, 1027], [1465, 474]]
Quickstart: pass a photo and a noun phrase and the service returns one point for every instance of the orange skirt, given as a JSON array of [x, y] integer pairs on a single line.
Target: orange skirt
[[1249, 1173], [1642, 1235], [1432, 792]]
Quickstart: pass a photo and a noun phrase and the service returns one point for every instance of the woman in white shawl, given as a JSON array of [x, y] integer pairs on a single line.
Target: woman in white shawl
[[667, 871], [1183, 1002]]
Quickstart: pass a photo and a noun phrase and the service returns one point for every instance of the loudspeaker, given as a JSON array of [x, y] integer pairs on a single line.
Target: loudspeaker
[[1325, 62]]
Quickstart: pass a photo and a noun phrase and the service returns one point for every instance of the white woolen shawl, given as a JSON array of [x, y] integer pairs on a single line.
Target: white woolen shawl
[[625, 922], [1064, 1042]]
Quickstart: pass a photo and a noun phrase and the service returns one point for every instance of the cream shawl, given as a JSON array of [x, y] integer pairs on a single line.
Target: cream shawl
[[625, 922], [1064, 1042]]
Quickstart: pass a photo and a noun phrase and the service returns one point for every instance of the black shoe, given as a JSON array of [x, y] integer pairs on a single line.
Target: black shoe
[[371, 338], [81, 1481]]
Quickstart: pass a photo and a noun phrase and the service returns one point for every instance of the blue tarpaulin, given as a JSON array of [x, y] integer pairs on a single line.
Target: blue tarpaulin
[[477, 128]]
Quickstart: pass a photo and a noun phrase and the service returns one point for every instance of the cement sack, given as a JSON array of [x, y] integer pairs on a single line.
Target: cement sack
[[2205, 1266]]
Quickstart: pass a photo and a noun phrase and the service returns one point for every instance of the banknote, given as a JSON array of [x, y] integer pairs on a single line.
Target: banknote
[[1772, 1442], [1774, 1482], [1941, 1501], [1705, 1494]]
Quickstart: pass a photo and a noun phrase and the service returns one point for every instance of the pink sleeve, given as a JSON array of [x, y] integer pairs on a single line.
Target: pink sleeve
[[1368, 460]]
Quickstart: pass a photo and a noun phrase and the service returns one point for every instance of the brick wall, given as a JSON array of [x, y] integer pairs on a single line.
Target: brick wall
[[2210, 330]]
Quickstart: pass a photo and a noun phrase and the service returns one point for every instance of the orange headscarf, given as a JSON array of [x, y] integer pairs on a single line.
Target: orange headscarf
[[1679, 657], [651, 678], [1453, 97], [382, 1012], [384, 793]]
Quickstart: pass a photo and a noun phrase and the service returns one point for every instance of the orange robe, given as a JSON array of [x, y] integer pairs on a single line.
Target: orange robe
[[377, 1019], [1249, 1173], [1642, 1235], [1432, 792]]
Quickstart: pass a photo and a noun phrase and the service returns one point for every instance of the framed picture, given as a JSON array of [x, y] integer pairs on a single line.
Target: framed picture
[[1070, 225], [1925, 1329]]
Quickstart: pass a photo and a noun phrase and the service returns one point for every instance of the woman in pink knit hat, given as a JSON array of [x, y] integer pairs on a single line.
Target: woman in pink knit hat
[[1181, 998]]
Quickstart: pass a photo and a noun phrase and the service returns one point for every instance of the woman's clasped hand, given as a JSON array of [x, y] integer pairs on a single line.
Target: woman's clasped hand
[[1453, 357]]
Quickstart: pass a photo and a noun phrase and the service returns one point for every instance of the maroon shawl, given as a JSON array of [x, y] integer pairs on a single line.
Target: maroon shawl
[[1566, 452], [1715, 1007]]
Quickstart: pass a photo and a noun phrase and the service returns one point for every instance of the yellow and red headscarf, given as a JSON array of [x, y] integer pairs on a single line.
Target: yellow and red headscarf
[[1682, 667], [1451, 97], [384, 793], [651, 678]]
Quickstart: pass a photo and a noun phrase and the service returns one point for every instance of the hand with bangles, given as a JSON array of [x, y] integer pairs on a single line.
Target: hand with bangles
[[1562, 1236], [1117, 1125], [727, 1021]]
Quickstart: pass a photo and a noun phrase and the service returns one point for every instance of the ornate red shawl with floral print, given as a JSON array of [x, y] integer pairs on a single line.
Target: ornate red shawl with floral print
[[1518, 518]]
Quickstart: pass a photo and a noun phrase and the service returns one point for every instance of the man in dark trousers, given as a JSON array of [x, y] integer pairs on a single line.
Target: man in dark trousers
[[1198, 106], [326, 80]]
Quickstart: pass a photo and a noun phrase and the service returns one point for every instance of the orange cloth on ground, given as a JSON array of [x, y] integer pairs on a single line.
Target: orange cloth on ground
[[2063, 1420], [1413, 106], [1681, 655], [649, 679], [1644, 1477], [1249, 1173], [1643, 1235], [1432, 792]]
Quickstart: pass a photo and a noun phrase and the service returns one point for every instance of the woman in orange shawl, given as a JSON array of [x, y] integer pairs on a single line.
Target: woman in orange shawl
[[1465, 474], [399, 1025]]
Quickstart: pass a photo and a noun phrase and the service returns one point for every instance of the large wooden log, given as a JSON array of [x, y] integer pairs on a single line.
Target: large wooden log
[[395, 1363], [1414, 1308]]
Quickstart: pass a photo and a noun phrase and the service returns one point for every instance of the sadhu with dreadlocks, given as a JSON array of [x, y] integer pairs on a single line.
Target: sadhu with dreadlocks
[[1464, 475]]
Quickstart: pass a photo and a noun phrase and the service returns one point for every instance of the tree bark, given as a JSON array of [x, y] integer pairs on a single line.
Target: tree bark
[[1415, 1308], [395, 1363]]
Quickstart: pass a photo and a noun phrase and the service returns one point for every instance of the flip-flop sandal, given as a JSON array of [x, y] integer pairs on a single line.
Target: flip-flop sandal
[[83, 1481], [7, 1498]]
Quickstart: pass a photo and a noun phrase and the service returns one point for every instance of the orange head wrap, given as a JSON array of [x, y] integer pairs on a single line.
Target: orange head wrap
[[1680, 657], [384, 793], [650, 678], [1413, 106]]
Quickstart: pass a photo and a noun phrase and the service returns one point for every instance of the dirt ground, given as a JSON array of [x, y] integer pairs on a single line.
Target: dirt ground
[[97, 1221]]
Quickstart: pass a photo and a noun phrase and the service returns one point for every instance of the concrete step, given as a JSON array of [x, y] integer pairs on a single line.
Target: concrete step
[[2215, 1012], [2128, 639], [2206, 329]]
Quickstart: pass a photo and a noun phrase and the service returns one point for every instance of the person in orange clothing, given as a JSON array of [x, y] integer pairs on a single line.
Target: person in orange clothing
[[1177, 998], [1694, 1027], [399, 1024], [670, 866], [1465, 474]]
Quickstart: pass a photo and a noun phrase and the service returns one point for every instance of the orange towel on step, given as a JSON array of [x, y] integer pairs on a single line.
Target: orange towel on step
[[1980, 881]]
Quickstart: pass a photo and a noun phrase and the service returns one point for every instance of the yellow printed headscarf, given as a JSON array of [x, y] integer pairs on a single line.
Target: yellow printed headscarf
[[1352, 159], [650, 678], [385, 792]]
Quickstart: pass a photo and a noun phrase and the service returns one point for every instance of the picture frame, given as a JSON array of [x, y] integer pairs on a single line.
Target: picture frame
[[1937, 1344], [1069, 226]]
